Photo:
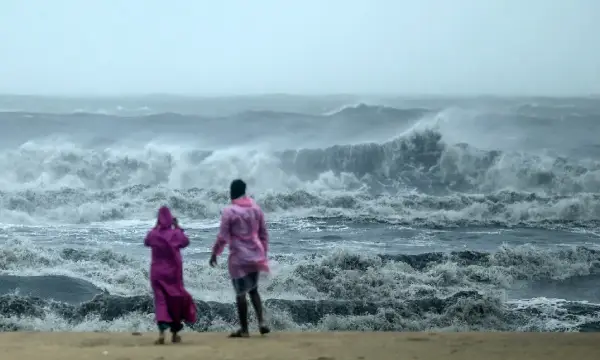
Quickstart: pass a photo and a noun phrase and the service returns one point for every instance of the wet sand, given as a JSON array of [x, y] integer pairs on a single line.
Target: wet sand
[[306, 346]]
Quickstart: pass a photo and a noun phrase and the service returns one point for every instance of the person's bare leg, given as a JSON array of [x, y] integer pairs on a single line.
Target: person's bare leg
[[257, 305], [161, 338], [161, 334], [242, 308], [175, 338]]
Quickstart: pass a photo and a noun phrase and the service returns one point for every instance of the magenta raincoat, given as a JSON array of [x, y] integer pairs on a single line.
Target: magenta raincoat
[[243, 229], [172, 303]]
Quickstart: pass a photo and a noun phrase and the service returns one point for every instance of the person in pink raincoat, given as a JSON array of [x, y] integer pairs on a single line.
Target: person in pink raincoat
[[243, 229], [173, 305]]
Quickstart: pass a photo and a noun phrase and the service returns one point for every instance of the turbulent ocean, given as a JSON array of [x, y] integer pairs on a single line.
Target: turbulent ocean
[[385, 214]]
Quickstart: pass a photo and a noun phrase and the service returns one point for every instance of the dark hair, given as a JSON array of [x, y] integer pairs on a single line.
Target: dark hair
[[237, 189]]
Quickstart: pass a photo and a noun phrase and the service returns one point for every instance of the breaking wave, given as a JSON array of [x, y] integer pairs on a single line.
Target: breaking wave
[[464, 290], [92, 174], [417, 177]]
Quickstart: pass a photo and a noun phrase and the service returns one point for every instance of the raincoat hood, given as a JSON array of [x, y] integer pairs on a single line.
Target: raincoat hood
[[165, 219]]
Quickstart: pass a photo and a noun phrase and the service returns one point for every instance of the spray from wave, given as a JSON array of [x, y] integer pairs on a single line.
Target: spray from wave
[[421, 167], [416, 177], [458, 291]]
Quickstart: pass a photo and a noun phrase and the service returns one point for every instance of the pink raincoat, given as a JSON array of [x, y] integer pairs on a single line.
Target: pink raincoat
[[172, 303], [243, 229]]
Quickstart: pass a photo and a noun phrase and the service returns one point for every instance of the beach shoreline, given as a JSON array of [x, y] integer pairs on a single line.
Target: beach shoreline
[[305, 345]]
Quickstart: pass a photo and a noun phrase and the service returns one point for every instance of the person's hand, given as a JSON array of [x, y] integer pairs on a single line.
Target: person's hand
[[213, 260]]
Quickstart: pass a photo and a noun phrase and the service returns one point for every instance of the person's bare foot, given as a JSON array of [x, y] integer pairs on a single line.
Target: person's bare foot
[[264, 329], [176, 339], [160, 340], [239, 334]]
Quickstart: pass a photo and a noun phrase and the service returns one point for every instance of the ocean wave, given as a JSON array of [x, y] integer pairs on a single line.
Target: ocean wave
[[463, 311], [499, 209], [415, 178], [358, 111], [77, 189], [432, 291], [414, 173], [338, 275]]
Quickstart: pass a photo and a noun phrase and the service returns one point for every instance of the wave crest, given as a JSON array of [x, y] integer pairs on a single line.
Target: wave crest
[[432, 291]]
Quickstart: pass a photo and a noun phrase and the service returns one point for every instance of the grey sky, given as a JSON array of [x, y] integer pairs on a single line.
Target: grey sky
[[301, 46]]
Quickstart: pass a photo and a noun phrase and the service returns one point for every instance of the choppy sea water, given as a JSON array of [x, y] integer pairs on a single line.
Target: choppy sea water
[[384, 213]]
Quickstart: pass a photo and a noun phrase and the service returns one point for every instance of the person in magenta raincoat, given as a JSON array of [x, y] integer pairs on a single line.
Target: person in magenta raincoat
[[173, 305], [243, 228]]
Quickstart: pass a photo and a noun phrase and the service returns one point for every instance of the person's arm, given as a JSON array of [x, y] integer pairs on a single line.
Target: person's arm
[[223, 238], [149, 240], [263, 233], [181, 239]]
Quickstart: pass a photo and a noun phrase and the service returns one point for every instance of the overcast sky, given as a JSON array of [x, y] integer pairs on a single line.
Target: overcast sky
[[210, 47]]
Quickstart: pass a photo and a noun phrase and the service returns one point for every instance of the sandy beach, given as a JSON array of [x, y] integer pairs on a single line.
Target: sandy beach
[[308, 346]]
